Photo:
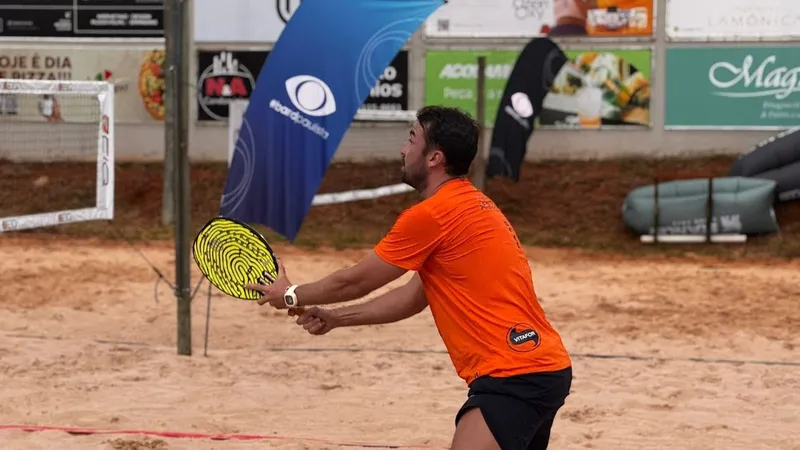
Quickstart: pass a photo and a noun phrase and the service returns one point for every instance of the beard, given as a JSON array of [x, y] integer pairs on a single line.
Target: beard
[[415, 177]]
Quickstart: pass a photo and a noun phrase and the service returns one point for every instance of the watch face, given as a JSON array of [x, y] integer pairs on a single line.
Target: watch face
[[289, 300]]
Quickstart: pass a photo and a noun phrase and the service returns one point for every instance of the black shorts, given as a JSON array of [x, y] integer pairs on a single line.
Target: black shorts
[[519, 410]]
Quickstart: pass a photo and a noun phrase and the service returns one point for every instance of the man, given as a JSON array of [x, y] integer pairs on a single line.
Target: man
[[570, 16], [472, 271]]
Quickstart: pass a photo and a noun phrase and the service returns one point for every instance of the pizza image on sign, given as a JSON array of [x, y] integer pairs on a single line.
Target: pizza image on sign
[[152, 83]]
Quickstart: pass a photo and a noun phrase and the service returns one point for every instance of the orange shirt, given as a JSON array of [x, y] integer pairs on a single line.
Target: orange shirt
[[478, 284]]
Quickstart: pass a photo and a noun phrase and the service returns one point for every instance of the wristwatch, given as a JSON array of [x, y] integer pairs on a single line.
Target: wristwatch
[[289, 297]]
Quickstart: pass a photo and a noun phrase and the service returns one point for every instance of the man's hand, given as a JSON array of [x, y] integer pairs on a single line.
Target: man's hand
[[273, 293], [316, 320]]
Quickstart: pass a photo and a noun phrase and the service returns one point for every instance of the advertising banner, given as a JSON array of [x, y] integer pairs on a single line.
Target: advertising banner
[[733, 20], [451, 79], [325, 65], [82, 18], [753, 87], [619, 82], [241, 21], [600, 88], [538, 18], [136, 73], [226, 76]]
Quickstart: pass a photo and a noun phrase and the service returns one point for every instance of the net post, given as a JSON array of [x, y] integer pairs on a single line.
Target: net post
[[168, 182], [479, 168], [656, 211], [178, 57], [709, 208]]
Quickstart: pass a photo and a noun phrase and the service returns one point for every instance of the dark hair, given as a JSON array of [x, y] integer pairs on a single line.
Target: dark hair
[[454, 133]]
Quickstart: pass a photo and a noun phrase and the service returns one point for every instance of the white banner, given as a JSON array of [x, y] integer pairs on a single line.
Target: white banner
[[475, 18], [531, 18], [245, 21], [733, 19]]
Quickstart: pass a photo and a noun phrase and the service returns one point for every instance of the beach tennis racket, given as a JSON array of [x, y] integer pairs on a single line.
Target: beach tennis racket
[[231, 254]]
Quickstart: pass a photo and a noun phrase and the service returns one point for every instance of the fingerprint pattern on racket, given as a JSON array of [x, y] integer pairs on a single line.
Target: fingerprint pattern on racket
[[231, 255]]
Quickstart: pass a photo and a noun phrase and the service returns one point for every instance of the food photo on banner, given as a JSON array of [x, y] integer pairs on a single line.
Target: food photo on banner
[[89, 19], [733, 20], [136, 73], [535, 18], [605, 88], [226, 76], [600, 88], [753, 87]]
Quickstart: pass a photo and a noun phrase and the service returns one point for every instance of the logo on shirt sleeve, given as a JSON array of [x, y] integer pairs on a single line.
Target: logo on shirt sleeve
[[523, 338]]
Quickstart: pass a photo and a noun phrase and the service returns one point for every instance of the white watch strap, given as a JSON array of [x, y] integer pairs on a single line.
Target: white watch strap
[[290, 298]]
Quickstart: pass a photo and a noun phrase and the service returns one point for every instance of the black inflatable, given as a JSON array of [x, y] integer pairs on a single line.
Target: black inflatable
[[777, 159]]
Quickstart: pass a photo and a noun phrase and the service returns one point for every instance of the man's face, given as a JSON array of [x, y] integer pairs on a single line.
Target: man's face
[[573, 8], [415, 162]]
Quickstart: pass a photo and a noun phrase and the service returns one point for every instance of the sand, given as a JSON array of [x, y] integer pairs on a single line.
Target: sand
[[83, 343]]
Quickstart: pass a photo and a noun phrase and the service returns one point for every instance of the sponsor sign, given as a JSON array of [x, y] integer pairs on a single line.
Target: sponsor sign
[[531, 18], [451, 78], [82, 18], [241, 21], [733, 20], [619, 82], [135, 72], [224, 77], [227, 76], [600, 88], [390, 93], [735, 87]]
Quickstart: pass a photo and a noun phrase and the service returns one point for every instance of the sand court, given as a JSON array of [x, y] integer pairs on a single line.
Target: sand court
[[83, 343]]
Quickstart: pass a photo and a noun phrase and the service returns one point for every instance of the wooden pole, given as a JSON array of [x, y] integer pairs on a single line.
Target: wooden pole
[[479, 172]]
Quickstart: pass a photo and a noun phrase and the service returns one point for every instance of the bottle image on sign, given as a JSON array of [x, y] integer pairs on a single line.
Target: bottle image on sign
[[223, 81], [590, 105]]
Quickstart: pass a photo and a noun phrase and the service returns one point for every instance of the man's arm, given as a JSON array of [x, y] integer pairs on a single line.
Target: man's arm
[[369, 274], [393, 306]]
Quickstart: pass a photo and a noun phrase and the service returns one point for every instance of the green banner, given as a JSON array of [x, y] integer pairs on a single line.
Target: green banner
[[451, 79], [623, 76], [746, 87]]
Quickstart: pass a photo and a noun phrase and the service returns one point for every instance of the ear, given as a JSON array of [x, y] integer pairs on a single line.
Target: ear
[[435, 158]]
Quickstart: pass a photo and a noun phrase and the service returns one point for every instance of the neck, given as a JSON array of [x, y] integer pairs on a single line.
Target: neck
[[434, 183]]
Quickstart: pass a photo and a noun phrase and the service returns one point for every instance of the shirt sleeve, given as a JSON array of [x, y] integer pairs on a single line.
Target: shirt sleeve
[[412, 239]]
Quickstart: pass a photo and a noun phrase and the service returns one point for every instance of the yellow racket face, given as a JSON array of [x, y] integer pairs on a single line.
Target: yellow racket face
[[231, 254]]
